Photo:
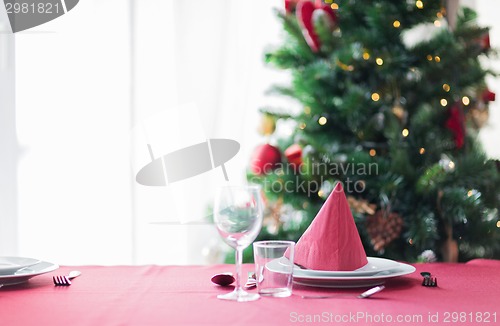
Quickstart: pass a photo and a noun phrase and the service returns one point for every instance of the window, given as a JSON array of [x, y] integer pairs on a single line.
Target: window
[[90, 88]]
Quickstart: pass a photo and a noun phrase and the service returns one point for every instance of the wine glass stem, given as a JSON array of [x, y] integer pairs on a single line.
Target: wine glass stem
[[239, 262]]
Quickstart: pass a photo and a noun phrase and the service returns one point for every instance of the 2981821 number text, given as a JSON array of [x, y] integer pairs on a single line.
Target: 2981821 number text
[[32, 8], [470, 317]]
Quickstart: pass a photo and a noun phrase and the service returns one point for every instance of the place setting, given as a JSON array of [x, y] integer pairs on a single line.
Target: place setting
[[17, 270], [329, 254]]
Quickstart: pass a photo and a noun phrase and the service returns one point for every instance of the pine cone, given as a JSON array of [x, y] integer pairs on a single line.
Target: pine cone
[[383, 228]]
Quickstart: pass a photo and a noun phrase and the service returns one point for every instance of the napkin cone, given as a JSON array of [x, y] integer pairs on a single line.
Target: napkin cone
[[331, 242]]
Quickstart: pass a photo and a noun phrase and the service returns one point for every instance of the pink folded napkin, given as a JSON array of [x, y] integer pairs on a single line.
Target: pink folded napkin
[[331, 242]]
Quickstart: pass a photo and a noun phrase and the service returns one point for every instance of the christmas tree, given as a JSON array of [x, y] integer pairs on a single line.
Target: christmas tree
[[392, 95]]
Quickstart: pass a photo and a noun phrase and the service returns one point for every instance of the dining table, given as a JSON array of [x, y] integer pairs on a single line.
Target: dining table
[[466, 294]]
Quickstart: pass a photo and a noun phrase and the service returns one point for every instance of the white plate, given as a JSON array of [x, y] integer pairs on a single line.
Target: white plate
[[375, 265], [10, 265], [25, 274], [353, 281]]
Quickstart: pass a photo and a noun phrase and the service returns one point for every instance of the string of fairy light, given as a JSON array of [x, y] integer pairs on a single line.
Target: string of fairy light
[[379, 61], [375, 96]]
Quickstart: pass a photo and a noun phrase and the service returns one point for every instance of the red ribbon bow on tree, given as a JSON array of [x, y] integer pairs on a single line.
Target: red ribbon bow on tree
[[307, 12]]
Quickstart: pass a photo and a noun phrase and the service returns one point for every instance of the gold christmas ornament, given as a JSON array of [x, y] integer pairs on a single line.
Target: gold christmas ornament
[[343, 66], [399, 111], [479, 116], [267, 125], [361, 206]]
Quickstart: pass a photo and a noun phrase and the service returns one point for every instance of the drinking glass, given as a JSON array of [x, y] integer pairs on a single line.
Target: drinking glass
[[274, 267], [238, 214]]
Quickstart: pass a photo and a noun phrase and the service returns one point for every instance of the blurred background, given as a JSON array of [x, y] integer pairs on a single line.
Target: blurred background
[[83, 95]]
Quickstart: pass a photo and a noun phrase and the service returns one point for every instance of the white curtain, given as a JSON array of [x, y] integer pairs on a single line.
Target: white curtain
[[490, 133], [73, 121], [204, 62], [95, 86], [8, 142]]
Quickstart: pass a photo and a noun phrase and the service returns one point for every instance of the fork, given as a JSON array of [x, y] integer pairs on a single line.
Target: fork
[[251, 282], [429, 280], [65, 279]]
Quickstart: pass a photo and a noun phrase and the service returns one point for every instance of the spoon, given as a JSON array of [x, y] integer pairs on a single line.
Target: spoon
[[223, 279]]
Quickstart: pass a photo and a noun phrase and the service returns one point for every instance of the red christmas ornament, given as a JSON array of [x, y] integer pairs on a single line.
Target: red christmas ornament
[[488, 96], [484, 41], [456, 123], [290, 5], [265, 158], [305, 15], [294, 155]]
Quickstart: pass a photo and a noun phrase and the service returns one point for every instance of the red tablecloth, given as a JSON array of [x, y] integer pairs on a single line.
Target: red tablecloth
[[468, 294]]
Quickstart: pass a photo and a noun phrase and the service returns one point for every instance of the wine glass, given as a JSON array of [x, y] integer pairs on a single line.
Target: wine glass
[[238, 214]]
